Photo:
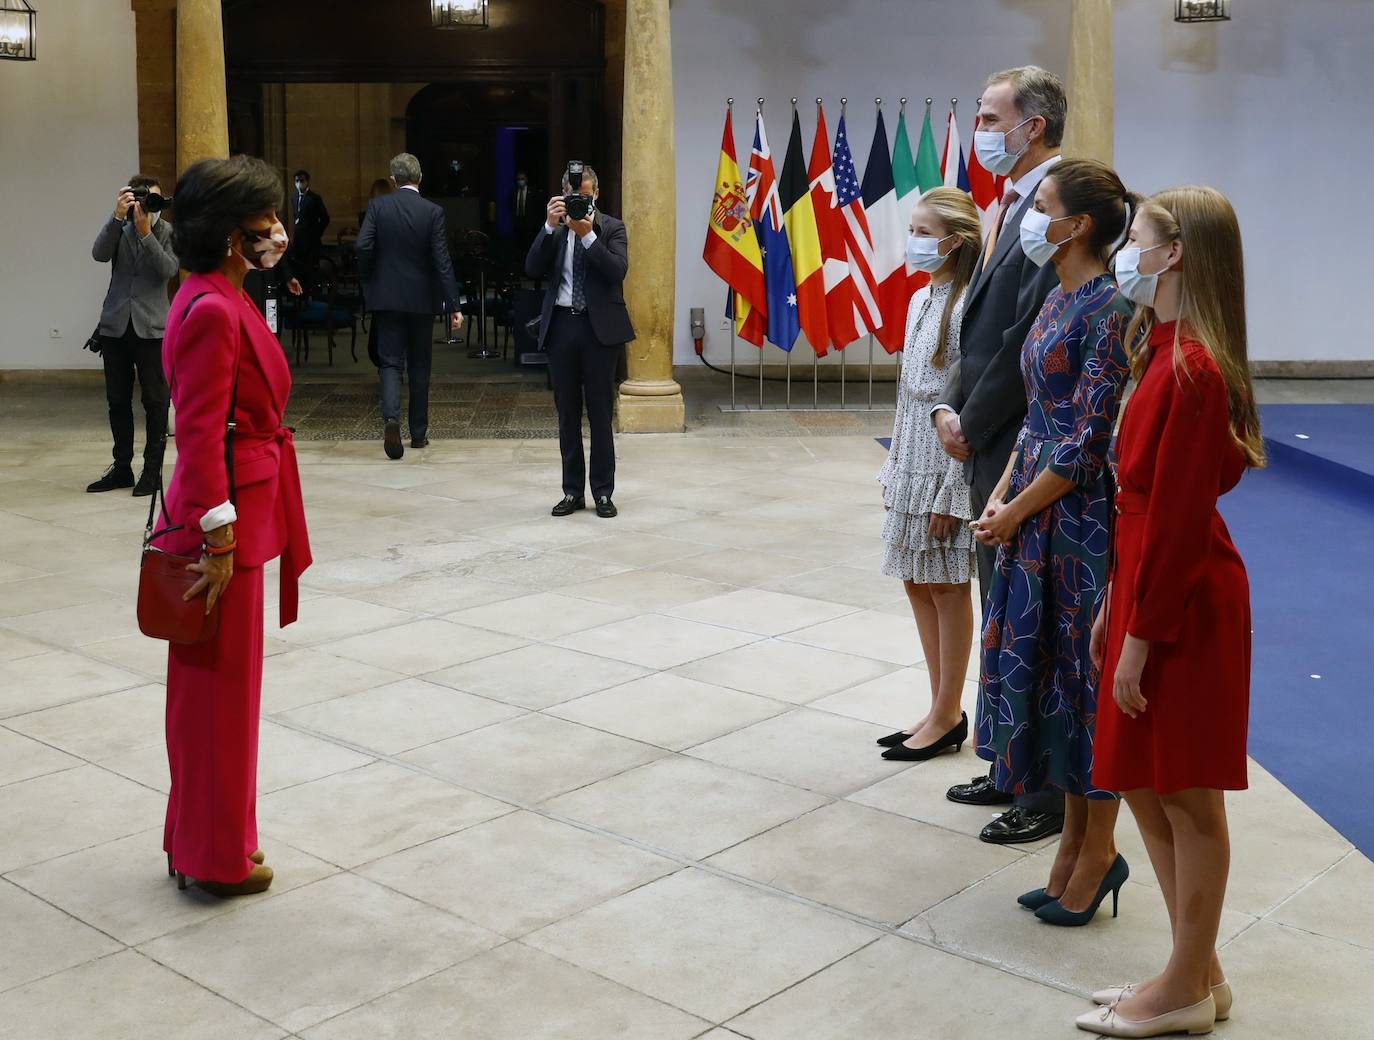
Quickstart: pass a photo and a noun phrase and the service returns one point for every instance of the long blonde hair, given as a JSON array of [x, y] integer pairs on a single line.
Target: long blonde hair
[[1213, 301], [959, 216]]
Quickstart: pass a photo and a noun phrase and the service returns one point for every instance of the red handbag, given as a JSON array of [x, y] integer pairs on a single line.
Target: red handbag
[[163, 578]]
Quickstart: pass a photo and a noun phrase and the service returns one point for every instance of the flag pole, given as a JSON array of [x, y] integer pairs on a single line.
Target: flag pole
[[870, 371], [763, 347], [816, 361], [734, 298]]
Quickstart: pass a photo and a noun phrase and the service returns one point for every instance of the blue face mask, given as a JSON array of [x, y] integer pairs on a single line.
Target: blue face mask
[[1135, 286], [923, 253], [1034, 227]]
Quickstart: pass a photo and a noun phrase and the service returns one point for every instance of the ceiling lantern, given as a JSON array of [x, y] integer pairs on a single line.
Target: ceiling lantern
[[18, 31], [1202, 10], [458, 14]]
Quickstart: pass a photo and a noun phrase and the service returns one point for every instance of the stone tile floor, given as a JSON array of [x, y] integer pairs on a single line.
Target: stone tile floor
[[532, 778]]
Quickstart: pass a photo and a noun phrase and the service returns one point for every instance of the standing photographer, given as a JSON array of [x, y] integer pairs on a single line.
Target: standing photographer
[[584, 328], [138, 242]]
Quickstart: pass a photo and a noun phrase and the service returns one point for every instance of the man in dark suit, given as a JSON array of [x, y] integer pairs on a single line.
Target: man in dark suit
[[310, 219], [1021, 125], [524, 208], [584, 328], [407, 276]]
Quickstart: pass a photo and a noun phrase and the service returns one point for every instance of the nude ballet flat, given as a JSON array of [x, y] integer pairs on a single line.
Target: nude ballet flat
[[1221, 993], [1195, 1020]]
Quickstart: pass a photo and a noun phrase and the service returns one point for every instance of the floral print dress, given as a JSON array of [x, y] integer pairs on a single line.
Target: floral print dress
[[1037, 706]]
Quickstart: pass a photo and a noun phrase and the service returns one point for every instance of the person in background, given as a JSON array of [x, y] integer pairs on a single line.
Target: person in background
[[1049, 516], [138, 246], [929, 544], [235, 502], [524, 208], [310, 220], [1174, 641], [584, 326], [407, 272], [1021, 123]]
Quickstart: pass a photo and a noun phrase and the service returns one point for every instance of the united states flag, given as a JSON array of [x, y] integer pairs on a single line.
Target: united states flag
[[858, 240]]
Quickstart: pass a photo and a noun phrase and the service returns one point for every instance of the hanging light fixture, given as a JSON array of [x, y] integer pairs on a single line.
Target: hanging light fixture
[[1202, 10], [18, 30], [458, 14]]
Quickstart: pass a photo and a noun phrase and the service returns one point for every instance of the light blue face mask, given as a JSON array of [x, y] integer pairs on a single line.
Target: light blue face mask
[[923, 253], [1135, 286], [991, 148], [1034, 226]]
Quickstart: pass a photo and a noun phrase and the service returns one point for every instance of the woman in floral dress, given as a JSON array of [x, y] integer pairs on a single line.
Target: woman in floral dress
[[1050, 514], [929, 544]]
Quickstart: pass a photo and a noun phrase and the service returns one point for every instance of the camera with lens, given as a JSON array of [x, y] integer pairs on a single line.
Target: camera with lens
[[577, 204], [151, 201]]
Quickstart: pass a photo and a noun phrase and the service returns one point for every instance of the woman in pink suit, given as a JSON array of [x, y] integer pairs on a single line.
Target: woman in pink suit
[[238, 509]]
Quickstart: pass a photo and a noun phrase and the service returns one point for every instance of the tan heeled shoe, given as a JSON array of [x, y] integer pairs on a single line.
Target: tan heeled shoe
[[1221, 993], [259, 879], [257, 856], [1195, 1020]]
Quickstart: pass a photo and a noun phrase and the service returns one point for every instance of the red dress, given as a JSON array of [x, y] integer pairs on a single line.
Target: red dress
[[1178, 582], [214, 688]]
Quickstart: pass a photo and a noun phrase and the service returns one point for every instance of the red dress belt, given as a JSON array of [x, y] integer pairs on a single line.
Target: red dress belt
[[1131, 503], [295, 557]]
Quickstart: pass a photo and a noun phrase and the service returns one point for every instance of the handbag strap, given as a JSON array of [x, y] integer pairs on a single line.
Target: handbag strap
[[159, 498]]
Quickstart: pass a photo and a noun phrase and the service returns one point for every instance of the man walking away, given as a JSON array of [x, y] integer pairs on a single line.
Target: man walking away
[[407, 275]]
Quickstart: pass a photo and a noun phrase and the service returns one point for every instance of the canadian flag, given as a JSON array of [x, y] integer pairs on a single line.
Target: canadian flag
[[985, 188], [839, 285]]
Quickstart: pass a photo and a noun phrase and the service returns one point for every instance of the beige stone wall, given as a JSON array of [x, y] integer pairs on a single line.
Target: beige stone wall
[[343, 133]]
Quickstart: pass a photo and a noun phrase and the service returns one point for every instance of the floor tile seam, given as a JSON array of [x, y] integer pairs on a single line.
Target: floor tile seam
[[201, 985], [1306, 885], [799, 982], [357, 868], [1017, 853], [82, 759], [51, 772], [7, 990], [1308, 931], [687, 861], [849, 610], [6, 879], [974, 884]]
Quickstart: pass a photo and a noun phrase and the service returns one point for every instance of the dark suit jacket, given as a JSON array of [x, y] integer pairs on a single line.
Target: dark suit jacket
[[310, 219], [608, 260], [403, 255], [986, 387], [138, 281]]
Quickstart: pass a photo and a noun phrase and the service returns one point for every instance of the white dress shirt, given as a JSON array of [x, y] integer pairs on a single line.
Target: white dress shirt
[[565, 283]]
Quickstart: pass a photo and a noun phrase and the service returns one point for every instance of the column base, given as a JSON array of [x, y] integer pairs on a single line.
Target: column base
[[650, 407]]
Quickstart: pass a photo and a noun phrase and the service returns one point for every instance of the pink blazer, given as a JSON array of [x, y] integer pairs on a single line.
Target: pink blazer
[[223, 333]]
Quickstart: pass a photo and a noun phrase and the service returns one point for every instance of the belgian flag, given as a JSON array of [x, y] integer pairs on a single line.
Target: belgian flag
[[799, 216]]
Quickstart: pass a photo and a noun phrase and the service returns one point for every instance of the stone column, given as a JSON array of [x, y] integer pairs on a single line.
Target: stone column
[[650, 401], [1089, 131], [202, 108], [155, 34]]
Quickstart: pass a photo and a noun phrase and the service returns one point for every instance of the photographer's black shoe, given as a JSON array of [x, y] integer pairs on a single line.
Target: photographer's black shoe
[[605, 508], [116, 478], [569, 505], [147, 482]]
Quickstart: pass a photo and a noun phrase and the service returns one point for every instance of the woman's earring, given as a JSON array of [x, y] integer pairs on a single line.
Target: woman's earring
[[228, 247]]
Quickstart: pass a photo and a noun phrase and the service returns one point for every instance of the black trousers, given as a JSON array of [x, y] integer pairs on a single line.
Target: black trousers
[[988, 468], [405, 344], [582, 370], [125, 356]]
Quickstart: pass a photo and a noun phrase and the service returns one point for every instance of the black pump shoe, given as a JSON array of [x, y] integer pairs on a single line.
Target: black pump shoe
[[953, 739], [893, 739], [569, 505], [116, 478]]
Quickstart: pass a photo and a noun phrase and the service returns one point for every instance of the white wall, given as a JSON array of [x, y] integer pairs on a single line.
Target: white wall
[[68, 140], [1263, 108]]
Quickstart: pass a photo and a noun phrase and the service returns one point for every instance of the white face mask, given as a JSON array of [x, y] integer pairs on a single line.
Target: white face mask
[[1034, 226], [264, 251], [300, 187], [991, 148], [1135, 286], [923, 253]]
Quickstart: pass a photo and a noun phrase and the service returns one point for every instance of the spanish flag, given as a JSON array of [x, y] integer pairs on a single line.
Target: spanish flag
[[732, 246], [799, 215]]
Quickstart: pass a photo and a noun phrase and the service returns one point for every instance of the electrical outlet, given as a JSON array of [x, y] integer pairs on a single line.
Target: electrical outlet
[[54, 334], [724, 324]]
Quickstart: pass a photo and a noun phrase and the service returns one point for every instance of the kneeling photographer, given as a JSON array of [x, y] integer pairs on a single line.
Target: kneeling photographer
[[138, 243], [584, 327]]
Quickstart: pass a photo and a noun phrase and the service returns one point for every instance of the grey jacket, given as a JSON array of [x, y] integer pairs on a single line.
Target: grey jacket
[[138, 282]]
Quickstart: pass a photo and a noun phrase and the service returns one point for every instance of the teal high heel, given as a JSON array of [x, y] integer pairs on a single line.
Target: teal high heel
[[1053, 912], [1035, 899]]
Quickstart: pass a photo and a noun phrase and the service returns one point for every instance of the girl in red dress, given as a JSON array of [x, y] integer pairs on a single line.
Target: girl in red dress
[[1174, 640]]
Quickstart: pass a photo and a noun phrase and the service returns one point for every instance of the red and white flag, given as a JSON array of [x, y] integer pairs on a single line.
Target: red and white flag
[[985, 188], [839, 287]]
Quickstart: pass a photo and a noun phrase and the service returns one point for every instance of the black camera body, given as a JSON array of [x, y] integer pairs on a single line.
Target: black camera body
[[577, 204], [151, 201]]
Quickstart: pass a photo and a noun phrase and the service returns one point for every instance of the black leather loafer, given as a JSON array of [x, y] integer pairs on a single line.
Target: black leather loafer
[[115, 478], [981, 791], [147, 483], [569, 505], [1017, 826], [391, 441], [605, 508]]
